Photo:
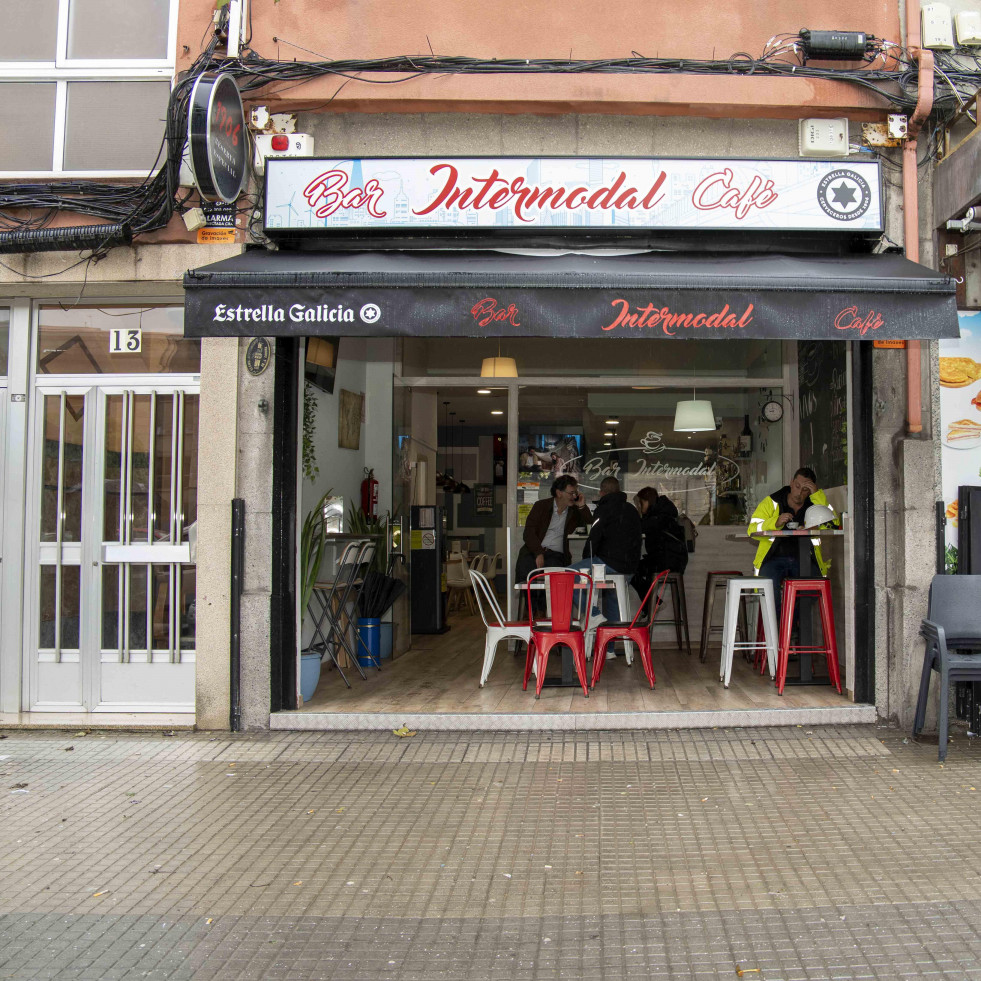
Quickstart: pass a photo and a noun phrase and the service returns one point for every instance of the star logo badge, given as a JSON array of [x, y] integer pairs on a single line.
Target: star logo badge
[[844, 195]]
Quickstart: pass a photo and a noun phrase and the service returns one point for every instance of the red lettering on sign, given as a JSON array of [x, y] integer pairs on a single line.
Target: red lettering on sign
[[495, 192], [717, 191], [487, 311], [670, 321], [328, 193], [849, 319]]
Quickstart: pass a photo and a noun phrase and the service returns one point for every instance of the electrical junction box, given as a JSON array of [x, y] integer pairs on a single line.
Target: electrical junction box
[[967, 23], [281, 145], [823, 137], [936, 30]]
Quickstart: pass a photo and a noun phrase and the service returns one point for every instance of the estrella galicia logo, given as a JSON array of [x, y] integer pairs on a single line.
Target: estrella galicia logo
[[844, 195], [370, 313]]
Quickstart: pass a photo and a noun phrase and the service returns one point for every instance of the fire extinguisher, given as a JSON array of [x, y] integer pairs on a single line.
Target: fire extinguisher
[[369, 494]]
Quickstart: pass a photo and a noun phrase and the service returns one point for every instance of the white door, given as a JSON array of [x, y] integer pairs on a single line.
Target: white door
[[112, 612]]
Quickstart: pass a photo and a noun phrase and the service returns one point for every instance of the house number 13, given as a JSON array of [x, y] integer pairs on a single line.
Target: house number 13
[[128, 340]]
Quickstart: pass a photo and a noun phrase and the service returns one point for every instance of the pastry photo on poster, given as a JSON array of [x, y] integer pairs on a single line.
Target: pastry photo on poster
[[960, 421]]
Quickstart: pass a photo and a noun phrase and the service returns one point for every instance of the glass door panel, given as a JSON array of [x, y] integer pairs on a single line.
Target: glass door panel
[[116, 488]]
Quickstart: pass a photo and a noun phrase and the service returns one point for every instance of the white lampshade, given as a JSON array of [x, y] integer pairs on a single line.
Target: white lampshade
[[498, 368], [694, 416]]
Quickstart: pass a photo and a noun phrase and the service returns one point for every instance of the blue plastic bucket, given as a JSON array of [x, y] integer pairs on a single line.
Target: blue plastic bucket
[[369, 647], [309, 674]]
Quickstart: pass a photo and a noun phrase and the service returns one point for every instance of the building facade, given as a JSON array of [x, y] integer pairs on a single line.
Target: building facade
[[120, 465]]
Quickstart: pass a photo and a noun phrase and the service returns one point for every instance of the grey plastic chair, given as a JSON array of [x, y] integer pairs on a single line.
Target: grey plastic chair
[[953, 623]]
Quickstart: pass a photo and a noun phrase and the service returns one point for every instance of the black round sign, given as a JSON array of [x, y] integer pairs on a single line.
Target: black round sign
[[217, 138]]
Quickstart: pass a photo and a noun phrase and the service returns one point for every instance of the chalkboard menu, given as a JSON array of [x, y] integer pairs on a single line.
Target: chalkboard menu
[[823, 415]]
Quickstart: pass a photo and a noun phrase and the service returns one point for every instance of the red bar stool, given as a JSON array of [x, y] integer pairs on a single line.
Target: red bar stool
[[792, 588]]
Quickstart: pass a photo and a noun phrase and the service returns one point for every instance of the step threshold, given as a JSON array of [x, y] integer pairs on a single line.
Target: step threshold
[[849, 714]]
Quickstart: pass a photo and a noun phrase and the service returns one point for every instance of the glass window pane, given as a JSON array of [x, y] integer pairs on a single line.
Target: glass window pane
[[110, 607], [115, 125], [139, 490], [139, 29], [27, 111], [629, 434], [189, 465], [137, 606], [162, 467], [70, 477], [112, 482], [161, 606], [4, 338], [69, 613], [75, 340], [30, 30], [188, 580]]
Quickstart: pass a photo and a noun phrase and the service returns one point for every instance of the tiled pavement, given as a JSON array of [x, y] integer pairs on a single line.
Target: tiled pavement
[[781, 853]]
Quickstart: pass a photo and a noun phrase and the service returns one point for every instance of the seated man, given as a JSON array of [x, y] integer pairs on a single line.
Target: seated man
[[779, 558], [547, 529], [614, 540]]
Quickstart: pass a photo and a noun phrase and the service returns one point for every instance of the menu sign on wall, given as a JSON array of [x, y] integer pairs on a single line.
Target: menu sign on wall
[[313, 195], [960, 421]]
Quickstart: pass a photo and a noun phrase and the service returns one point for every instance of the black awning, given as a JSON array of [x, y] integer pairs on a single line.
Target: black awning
[[483, 294]]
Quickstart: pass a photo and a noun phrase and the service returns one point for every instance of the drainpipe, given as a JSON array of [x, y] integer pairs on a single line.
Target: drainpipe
[[911, 211]]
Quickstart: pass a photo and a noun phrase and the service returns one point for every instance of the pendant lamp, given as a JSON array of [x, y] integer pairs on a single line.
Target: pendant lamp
[[498, 368], [694, 415]]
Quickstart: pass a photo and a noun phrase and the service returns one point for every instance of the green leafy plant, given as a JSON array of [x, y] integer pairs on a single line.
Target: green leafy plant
[[310, 468], [950, 560], [359, 523], [313, 541]]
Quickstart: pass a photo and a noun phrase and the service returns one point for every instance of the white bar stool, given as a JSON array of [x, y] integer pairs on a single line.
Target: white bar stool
[[736, 590], [627, 612]]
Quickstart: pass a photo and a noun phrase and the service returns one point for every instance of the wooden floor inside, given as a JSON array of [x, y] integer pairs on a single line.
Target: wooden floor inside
[[440, 674]]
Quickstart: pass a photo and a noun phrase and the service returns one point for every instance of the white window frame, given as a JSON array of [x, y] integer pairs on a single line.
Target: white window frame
[[63, 70]]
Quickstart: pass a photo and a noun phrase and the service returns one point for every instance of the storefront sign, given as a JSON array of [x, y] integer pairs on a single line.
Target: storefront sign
[[960, 423], [467, 294], [219, 214], [314, 195], [216, 236], [257, 355], [217, 137], [483, 498]]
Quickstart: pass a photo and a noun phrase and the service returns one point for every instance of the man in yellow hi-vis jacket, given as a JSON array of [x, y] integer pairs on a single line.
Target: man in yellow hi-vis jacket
[[779, 558]]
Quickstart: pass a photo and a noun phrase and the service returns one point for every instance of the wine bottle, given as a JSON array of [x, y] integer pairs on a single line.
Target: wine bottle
[[746, 439]]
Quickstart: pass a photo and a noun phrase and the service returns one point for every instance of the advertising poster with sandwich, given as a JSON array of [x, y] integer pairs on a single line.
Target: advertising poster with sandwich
[[960, 420]]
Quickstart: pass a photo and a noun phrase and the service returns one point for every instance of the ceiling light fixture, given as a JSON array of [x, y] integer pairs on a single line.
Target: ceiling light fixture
[[607, 434], [694, 415], [483, 391], [497, 412], [498, 367], [613, 422]]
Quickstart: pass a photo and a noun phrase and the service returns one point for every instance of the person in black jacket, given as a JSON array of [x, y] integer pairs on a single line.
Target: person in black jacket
[[664, 538], [614, 539]]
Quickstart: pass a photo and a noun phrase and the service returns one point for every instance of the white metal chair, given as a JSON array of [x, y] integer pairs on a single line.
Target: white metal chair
[[498, 628], [458, 582]]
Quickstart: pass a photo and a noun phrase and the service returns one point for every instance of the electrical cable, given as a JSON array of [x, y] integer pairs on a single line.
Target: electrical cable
[[147, 205]]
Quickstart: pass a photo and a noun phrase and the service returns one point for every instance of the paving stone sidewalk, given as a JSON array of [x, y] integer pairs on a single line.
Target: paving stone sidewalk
[[766, 854]]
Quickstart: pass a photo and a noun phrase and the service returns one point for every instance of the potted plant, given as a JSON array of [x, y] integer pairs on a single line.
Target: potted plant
[[313, 542]]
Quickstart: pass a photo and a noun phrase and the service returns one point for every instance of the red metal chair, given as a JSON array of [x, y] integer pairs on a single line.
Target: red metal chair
[[561, 584], [792, 588], [638, 632]]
